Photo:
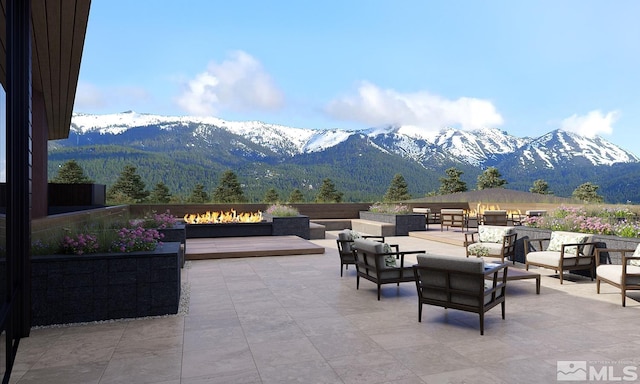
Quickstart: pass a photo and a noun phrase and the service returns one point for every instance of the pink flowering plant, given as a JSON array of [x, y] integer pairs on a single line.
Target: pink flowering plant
[[80, 244], [394, 209], [157, 220], [618, 222], [282, 210], [121, 235], [136, 239]]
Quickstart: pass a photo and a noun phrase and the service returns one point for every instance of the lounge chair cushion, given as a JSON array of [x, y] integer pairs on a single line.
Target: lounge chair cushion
[[553, 258], [494, 249], [613, 273], [345, 235], [559, 237], [493, 233], [372, 248]]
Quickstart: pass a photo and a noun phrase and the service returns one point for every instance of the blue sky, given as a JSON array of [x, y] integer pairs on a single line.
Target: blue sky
[[526, 67]]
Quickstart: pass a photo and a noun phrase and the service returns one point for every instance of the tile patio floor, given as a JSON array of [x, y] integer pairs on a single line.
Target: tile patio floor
[[292, 319]]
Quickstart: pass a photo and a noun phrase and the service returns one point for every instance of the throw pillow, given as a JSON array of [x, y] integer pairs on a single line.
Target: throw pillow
[[559, 238], [636, 254], [389, 260]]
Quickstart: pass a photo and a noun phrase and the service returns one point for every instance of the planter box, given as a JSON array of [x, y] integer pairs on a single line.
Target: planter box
[[603, 241], [82, 288], [404, 223], [289, 225], [177, 233]]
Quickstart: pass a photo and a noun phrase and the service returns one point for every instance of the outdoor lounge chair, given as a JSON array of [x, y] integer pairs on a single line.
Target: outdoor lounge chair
[[460, 283], [380, 264], [454, 218], [565, 251], [625, 276], [492, 241], [495, 217], [345, 251]]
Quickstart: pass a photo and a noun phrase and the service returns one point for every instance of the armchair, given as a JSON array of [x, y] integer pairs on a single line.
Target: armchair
[[459, 283], [455, 218], [345, 249], [495, 217], [565, 251], [379, 264], [492, 241], [625, 276]]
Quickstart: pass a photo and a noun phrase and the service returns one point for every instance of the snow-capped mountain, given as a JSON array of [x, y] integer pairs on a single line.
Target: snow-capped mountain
[[182, 150], [479, 148]]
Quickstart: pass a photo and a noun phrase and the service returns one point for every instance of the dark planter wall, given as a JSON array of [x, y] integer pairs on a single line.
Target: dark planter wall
[[71, 288], [289, 226], [404, 223]]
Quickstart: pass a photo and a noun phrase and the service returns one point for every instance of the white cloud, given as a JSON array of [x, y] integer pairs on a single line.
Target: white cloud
[[376, 106], [91, 97], [591, 124], [88, 96], [239, 83]]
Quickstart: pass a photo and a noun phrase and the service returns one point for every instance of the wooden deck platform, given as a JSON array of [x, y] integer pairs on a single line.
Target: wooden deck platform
[[454, 237], [228, 247]]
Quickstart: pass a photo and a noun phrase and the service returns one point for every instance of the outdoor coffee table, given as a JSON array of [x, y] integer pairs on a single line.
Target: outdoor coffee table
[[522, 274]]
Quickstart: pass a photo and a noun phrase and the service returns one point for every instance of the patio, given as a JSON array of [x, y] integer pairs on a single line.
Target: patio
[[292, 319]]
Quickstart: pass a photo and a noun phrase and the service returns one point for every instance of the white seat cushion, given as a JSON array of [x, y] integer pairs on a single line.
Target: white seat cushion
[[494, 249], [552, 258], [614, 273]]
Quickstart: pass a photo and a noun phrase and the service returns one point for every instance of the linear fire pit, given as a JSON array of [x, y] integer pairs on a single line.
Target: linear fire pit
[[199, 231]]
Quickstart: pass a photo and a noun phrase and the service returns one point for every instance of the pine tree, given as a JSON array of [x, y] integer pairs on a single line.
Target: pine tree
[[540, 187], [198, 195], [271, 196], [398, 190], [296, 196], [491, 178], [452, 183], [160, 194], [128, 187], [229, 189], [587, 192], [328, 193], [71, 173]]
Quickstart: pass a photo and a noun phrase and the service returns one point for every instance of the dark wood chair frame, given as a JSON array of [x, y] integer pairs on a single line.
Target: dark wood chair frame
[[454, 220], [623, 286], [496, 291], [508, 245], [348, 257], [564, 256], [374, 272]]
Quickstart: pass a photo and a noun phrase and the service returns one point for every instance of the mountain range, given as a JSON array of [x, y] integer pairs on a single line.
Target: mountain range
[[182, 151]]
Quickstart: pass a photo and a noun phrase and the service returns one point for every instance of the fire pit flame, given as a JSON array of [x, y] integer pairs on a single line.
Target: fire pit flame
[[223, 217]]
